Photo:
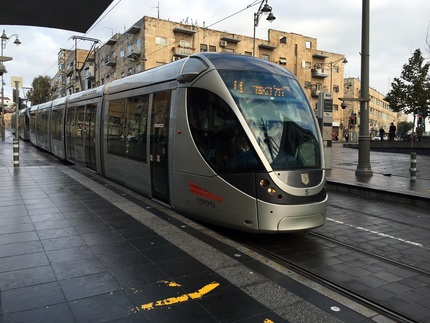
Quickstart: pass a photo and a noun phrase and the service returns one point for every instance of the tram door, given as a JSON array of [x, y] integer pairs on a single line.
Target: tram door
[[159, 146], [90, 136], [70, 130]]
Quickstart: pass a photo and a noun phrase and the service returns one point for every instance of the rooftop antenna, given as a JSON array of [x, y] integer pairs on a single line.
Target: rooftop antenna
[[158, 9]]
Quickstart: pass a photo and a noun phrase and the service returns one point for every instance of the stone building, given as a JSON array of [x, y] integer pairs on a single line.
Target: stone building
[[380, 114], [70, 75], [151, 42]]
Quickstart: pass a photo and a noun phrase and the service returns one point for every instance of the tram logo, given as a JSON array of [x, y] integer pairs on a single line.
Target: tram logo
[[199, 191], [305, 179]]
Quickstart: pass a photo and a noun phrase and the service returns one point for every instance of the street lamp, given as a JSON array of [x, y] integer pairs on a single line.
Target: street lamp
[[4, 39], [334, 64], [363, 167], [266, 9]]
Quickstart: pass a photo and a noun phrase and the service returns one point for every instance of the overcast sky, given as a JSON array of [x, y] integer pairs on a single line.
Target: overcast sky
[[397, 29]]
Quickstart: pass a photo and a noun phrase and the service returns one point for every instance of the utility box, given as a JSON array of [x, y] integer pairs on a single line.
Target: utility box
[[325, 117]]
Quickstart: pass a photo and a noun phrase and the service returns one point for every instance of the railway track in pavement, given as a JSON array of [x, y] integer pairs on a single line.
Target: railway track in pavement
[[373, 252]]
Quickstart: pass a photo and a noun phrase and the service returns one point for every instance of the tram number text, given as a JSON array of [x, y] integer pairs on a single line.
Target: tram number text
[[205, 202]]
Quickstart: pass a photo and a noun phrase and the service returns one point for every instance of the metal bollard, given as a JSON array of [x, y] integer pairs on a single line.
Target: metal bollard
[[15, 152], [413, 169]]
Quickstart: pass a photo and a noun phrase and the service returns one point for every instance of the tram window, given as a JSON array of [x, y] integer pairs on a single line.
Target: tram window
[[115, 132], [278, 115], [137, 118], [56, 124], [218, 134], [127, 127], [80, 126]]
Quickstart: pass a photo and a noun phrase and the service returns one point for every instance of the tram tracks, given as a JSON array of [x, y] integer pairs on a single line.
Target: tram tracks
[[280, 250]]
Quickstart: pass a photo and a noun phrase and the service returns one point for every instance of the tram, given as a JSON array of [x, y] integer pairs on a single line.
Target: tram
[[23, 124], [222, 138]]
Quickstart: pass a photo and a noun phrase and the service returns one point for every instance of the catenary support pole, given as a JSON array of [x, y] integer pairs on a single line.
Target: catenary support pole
[[16, 139], [363, 167]]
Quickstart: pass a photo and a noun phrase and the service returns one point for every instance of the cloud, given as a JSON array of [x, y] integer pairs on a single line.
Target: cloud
[[397, 29]]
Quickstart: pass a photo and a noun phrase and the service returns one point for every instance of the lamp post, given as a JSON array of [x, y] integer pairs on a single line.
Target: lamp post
[[4, 39], [364, 168], [333, 64], [266, 9]]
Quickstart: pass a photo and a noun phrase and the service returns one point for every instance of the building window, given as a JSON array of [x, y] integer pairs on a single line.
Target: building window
[[228, 50], [283, 40], [212, 48], [161, 41], [336, 88], [185, 43], [130, 71], [307, 65], [308, 85], [121, 53], [336, 69], [248, 53], [203, 47], [265, 57], [282, 61], [308, 45]]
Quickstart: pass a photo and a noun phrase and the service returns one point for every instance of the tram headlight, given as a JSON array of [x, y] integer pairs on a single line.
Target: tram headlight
[[264, 183], [271, 190]]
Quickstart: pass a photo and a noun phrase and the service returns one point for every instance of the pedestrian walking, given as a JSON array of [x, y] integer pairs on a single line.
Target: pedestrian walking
[[381, 133]]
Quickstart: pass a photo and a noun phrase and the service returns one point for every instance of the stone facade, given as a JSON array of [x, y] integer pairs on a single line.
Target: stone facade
[[380, 114], [152, 42]]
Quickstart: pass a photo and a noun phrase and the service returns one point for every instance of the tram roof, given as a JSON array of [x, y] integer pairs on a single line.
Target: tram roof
[[74, 15]]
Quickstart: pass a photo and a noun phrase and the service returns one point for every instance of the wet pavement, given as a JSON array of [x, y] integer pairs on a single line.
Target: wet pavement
[[77, 248], [391, 178]]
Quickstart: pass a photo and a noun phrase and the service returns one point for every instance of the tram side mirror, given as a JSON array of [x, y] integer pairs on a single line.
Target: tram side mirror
[[343, 105], [187, 77]]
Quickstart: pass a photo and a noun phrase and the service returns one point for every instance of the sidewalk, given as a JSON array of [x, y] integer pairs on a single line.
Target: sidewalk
[[390, 180]]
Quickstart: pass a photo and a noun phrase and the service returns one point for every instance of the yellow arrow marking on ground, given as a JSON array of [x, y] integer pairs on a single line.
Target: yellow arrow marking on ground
[[170, 283], [183, 298]]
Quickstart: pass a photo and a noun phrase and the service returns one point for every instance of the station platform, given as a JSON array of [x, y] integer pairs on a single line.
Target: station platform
[[390, 180], [75, 247]]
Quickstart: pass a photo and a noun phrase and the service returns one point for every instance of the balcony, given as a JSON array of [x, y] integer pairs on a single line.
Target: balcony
[[184, 31], [89, 72], [182, 51], [133, 29], [320, 73], [133, 51], [233, 40], [110, 61], [111, 42]]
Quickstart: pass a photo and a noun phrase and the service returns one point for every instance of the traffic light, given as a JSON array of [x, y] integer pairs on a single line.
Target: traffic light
[[352, 120], [420, 118]]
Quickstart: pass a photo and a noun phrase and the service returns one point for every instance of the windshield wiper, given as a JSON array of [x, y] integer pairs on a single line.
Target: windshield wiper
[[269, 141]]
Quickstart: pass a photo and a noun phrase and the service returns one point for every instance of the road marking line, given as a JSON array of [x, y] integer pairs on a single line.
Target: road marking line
[[384, 235], [179, 299]]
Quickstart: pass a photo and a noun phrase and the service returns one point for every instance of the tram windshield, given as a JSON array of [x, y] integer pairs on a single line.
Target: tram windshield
[[279, 116]]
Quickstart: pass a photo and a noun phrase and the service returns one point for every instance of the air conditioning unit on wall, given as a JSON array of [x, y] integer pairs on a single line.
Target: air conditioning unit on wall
[[223, 43]]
